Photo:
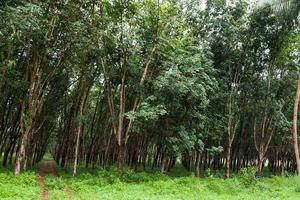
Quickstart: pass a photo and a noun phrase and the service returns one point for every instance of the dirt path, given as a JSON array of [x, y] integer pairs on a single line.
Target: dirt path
[[49, 168]]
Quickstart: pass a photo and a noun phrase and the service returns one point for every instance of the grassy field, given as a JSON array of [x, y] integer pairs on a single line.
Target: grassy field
[[131, 185], [179, 184], [23, 187]]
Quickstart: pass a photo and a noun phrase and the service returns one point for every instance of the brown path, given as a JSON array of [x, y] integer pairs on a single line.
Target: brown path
[[49, 168]]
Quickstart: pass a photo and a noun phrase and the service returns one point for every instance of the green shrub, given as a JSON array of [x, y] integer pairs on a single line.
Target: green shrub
[[54, 183], [247, 176], [208, 173]]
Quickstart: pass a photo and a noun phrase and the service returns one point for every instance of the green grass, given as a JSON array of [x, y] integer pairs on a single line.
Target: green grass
[[101, 184], [22, 187], [178, 184], [55, 187]]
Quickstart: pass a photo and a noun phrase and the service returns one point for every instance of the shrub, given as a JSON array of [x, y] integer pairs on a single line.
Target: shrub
[[247, 176], [53, 183]]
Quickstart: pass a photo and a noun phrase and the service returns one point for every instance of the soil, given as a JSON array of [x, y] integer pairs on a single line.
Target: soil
[[48, 168]]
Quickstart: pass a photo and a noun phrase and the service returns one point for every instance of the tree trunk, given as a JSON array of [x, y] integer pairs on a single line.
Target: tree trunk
[[24, 136], [260, 165], [295, 135], [228, 158], [20, 158], [79, 129], [163, 164], [105, 162], [197, 164], [79, 126], [121, 155]]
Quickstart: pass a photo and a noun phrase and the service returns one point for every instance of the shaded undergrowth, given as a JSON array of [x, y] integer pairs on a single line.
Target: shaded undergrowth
[[149, 184], [22, 187], [178, 184]]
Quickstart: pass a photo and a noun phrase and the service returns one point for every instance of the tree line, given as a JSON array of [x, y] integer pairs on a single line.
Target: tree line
[[148, 83]]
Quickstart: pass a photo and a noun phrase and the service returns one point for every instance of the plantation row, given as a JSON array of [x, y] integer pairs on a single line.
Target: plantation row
[[150, 83]]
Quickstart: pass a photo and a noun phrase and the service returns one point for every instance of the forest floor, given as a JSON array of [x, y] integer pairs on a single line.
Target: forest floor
[[51, 182], [48, 168]]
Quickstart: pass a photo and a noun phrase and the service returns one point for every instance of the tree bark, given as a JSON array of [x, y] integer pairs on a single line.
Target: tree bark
[[79, 130], [85, 91], [121, 155], [295, 134], [228, 159], [163, 164], [197, 164], [24, 135], [260, 165]]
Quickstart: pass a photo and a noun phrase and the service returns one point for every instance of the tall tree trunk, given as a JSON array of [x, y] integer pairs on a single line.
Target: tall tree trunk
[[79, 126], [78, 133], [121, 154], [228, 159], [295, 134], [120, 134], [20, 155], [197, 163], [163, 164], [260, 164], [231, 128], [23, 139]]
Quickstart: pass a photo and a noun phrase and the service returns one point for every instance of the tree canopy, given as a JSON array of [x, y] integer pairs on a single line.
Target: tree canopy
[[148, 83]]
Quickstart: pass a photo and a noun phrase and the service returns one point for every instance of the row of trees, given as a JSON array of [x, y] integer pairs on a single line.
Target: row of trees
[[147, 83]]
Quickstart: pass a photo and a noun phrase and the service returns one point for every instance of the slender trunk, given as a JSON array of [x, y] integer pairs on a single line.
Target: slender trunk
[[105, 162], [260, 165], [11, 154], [6, 153], [24, 135], [158, 150], [19, 159], [230, 132], [228, 158], [121, 138], [79, 128], [295, 134], [121, 155], [163, 164], [197, 164]]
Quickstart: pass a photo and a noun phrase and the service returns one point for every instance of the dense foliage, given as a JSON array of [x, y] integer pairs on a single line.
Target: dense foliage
[[147, 83]]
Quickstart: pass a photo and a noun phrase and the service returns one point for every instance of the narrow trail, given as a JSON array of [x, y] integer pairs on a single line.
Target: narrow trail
[[49, 168]]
